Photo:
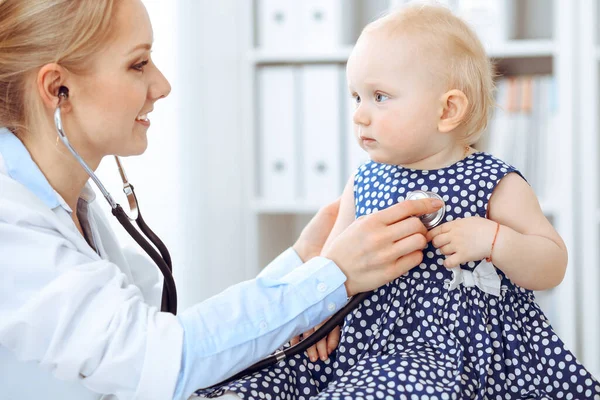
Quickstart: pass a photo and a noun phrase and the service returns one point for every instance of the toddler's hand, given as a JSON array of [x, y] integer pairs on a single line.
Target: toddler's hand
[[463, 240], [324, 347]]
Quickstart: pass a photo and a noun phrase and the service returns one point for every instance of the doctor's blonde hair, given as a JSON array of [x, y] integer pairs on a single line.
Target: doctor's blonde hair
[[454, 53], [38, 32]]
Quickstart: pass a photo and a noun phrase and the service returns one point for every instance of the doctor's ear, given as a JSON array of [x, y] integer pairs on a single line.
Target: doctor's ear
[[453, 110], [51, 84]]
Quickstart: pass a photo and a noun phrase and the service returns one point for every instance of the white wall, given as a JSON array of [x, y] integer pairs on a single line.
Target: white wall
[[189, 181], [211, 139]]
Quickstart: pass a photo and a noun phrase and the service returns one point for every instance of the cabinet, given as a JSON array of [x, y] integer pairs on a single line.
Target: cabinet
[[539, 39]]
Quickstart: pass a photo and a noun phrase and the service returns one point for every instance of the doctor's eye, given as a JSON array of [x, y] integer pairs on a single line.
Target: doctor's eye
[[380, 97], [140, 66]]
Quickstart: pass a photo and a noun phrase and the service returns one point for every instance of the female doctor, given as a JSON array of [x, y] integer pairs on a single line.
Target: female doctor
[[78, 316]]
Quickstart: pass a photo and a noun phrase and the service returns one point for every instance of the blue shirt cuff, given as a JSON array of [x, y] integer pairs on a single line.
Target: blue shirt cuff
[[282, 265]]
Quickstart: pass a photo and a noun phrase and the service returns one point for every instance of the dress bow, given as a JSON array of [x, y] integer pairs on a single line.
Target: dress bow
[[484, 276]]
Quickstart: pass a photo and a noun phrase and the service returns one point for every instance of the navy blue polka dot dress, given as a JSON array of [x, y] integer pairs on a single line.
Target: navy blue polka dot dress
[[434, 333]]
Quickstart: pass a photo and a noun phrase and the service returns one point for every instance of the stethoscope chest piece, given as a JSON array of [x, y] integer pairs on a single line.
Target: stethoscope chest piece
[[429, 220]]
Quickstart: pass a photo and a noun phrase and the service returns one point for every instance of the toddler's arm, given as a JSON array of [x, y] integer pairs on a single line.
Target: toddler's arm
[[528, 249], [346, 214]]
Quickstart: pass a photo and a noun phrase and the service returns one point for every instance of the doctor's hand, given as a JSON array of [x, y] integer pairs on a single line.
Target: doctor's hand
[[378, 248], [315, 233]]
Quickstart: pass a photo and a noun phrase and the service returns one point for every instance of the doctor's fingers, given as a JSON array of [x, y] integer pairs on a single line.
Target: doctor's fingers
[[402, 247], [408, 227], [406, 209], [403, 265]]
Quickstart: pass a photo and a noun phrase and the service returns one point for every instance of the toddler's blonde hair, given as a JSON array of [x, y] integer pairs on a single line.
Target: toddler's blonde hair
[[456, 53]]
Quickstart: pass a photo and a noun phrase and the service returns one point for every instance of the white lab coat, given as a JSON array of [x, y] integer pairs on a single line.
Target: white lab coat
[[39, 323], [91, 317]]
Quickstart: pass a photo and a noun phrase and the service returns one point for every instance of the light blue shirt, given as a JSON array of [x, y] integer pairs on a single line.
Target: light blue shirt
[[257, 316], [221, 336]]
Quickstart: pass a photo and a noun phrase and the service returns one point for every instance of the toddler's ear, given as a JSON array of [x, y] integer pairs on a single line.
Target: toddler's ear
[[454, 107]]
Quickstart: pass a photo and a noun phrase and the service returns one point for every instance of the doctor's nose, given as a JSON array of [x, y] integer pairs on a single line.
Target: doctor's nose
[[361, 116], [159, 87]]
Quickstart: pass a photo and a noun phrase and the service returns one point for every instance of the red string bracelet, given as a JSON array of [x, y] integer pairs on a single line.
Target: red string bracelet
[[489, 259]]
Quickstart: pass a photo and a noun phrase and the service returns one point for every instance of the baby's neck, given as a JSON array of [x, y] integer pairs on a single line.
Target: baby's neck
[[441, 159]]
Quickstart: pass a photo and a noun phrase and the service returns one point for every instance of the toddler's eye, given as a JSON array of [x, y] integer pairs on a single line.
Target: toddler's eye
[[379, 97], [356, 98]]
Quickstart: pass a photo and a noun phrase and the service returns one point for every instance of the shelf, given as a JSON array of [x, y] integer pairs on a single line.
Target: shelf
[[512, 49], [523, 49], [262, 207], [339, 55]]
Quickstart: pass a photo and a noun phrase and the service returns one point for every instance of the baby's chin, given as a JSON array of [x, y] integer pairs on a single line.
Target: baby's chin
[[378, 157]]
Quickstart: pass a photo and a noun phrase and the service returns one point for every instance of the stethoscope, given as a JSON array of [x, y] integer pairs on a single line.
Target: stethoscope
[[163, 260], [429, 220]]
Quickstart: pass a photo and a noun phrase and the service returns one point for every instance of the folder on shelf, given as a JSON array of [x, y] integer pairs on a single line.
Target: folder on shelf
[[542, 103], [553, 139], [309, 25], [320, 132], [493, 21], [499, 127], [517, 133], [278, 24], [522, 135], [522, 131], [277, 127], [320, 23], [534, 153]]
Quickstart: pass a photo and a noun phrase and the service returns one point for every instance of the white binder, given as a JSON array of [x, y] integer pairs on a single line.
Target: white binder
[[278, 25], [492, 20], [320, 132], [320, 24], [277, 108]]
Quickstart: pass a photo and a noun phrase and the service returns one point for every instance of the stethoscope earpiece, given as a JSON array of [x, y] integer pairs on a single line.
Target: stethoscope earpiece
[[63, 92]]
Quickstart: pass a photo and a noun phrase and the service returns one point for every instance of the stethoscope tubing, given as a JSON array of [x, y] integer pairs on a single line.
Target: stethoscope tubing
[[335, 320], [162, 260]]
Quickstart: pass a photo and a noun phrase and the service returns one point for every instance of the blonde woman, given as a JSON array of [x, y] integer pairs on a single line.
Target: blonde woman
[[79, 317]]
